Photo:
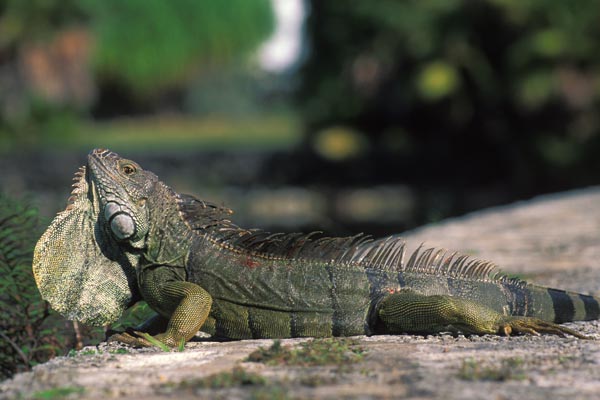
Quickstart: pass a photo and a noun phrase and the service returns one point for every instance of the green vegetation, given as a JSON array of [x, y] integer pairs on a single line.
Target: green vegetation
[[336, 351], [155, 342], [58, 393], [26, 336], [186, 36], [264, 132], [88, 352], [268, 132], [59, 58], [494, 92], [509, 369]]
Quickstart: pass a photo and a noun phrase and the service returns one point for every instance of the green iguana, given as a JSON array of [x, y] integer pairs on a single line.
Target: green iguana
[[126, 236]]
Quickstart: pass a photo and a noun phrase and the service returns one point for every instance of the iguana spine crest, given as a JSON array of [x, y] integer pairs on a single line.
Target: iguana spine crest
[[361, 250]]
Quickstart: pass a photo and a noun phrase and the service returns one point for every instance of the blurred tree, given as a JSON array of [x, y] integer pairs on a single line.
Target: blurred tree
[[154, 44], [59, 58], [43, 59], [456, 92]]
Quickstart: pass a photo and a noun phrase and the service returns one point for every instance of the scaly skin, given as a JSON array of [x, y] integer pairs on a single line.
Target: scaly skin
[[198, 270]]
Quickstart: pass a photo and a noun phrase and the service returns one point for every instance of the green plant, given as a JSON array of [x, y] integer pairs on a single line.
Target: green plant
[[155, 342], [120, 351], [314, 352], [506, 85], [153, 44], [58, 393], [25, 336], [88, 352]]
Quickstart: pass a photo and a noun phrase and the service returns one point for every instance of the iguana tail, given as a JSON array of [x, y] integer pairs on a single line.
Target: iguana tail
[[553, 305]]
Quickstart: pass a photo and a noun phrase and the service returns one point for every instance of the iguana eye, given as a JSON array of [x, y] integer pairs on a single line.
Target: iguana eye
[[128, 169]]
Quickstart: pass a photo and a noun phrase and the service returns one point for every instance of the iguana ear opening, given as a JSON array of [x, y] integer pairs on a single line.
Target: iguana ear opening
[[83, 276]]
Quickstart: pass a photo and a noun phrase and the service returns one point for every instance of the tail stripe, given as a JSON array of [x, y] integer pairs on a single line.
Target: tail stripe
[[564, 309], [592, 308]]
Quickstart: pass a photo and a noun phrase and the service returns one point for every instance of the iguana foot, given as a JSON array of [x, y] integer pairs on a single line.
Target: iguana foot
[[535, 326], [131, 337], [136, 338]]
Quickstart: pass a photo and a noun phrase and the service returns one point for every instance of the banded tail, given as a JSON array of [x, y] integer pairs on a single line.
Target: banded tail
[[555, 305]]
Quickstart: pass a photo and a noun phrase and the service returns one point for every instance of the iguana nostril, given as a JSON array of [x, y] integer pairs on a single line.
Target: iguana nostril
[[122, 226]]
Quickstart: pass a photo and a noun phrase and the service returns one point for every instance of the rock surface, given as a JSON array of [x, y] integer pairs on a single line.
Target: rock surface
[[551, 240]]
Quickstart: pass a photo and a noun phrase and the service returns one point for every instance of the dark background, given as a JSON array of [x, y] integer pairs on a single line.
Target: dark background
[[395, 114]]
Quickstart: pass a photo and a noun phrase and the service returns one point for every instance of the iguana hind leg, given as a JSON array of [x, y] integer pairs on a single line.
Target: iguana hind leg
[[407, 311]]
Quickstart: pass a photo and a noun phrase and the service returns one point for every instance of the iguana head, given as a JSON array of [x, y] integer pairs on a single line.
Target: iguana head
[[139, 212], [78, 267], [122, 188]]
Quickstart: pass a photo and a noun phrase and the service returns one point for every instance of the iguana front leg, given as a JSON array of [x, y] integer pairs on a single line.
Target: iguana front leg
[[184, 304], [408, 311]]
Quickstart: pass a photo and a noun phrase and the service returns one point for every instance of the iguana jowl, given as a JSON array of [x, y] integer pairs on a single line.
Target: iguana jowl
[[197, 270]]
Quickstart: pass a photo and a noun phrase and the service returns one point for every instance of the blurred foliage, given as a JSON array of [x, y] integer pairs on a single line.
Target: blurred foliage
[[153, 44], [235, 92], [61, 60], [460, 92], [169, 133], [25, 338], [339, 143]]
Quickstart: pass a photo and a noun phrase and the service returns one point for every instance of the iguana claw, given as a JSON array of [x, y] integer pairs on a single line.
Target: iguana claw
[[131, 337], [135, 338]]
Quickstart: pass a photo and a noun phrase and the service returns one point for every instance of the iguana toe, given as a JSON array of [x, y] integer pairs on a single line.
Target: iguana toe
[[131, 338], [536, 326]]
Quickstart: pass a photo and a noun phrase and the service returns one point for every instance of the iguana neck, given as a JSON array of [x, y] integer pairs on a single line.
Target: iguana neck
[[168, 239]]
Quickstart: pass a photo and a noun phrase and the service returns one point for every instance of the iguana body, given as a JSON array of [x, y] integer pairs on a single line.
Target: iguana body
[[198, 270]]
